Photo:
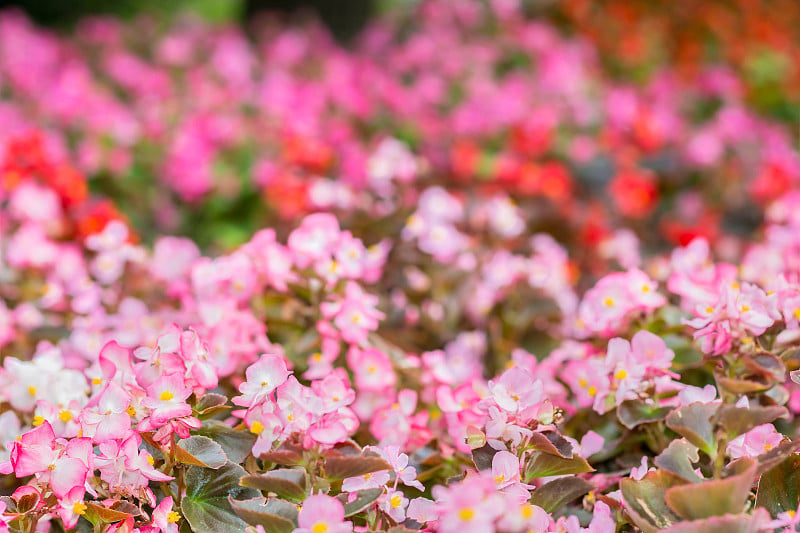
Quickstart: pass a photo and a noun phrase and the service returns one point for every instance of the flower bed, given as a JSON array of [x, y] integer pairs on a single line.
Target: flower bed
[[486, 290]]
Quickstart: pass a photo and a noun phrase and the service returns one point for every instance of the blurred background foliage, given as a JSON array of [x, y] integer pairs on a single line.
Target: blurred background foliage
[[758, 38]]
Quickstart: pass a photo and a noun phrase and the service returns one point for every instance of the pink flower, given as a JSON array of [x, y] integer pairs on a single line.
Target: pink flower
[[471, 506], [506, 475], [164, 518], [107, 415], [394, 504], [315, 239], [167, 399], [263, 377], [516, 390], [372, 368], [125, 467], [71, 507], [650, 350], [321, 513], [63, 465], [355, 315], [758, 440], [404, 473]]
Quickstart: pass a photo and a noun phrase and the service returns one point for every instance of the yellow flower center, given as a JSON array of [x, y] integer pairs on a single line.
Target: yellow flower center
[[646, 288], [65, 416], [466, 514], [131, 410], [709, 310], [319, 527], [97, 381], [500, 478], [173, 516], [79, 508], [32, 390], [166, 396], [797, 316], [151, 460], [767, 447], [609, 302], [620, 374], [592, 391], [396, 501], [745, 308], [526, 511], [256, 427], [38, 420], [582, 383]]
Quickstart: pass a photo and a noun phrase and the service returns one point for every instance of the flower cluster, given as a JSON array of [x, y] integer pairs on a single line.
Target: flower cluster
[[423, 316]]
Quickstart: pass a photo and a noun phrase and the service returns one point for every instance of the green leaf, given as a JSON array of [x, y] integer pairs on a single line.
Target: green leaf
[[770, 459], [679, 458], [97, 514], [552, 456], [779, 488], [206, 506], [211, 404], [632, 413], [559, 492], [645, 500], [285, 454], [235, 444], [482, 457], [693, 422], [739, 420], [286, 483], [200, 451], [715, 497], [345, 466], [275, 516], [742, 523], [364, 498]]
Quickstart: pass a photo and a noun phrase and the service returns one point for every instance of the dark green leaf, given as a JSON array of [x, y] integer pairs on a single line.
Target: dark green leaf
[[779, 488], [636, 412], [97, 514], [716, 497], [540, 464], [559, 492], [286, 483], [275, 516], [364, 498], [678, 458], [645, 500], [345, 466], [235, 444], [482, 457], [739, 420], [200, 451], [206, 506], [211, 404], [776, 455], [286, 454], [742, 523], [693, 421]]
